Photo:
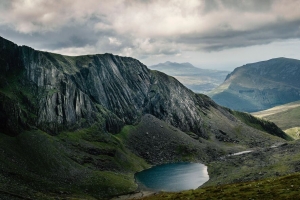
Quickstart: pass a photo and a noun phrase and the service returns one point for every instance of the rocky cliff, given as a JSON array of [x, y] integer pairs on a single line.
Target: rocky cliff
[[83, 125], [260, 86], [65, 90]]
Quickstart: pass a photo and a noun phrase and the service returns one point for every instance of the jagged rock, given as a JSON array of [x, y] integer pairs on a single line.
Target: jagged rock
[[66, 93], [69, 89]]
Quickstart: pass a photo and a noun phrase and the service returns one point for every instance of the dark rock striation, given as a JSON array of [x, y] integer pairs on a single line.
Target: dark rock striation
[[71, 92], [54, 92]]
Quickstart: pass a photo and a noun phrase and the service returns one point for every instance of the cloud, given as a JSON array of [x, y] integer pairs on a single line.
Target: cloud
[[114, 41], [143, 28]]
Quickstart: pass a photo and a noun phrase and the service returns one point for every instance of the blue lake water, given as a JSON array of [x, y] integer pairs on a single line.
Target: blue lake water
[[173, 177]]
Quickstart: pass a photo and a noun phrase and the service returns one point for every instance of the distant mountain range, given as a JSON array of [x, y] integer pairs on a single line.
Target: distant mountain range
[[196, 79], [259, 86]]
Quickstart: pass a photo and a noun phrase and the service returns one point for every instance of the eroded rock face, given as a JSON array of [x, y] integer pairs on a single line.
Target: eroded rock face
[[116, 90], [53, 92]]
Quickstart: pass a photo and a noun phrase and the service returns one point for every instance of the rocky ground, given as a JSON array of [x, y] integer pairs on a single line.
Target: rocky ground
[[261, 163], [158, 142], [264, 173]]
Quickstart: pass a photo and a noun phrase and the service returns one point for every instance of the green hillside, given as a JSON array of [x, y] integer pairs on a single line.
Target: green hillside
[[286, 117], [276, 170], [259, 86]]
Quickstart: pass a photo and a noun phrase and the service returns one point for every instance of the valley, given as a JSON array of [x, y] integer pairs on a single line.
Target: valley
[[149, 100], [80, 127], [197, 79]]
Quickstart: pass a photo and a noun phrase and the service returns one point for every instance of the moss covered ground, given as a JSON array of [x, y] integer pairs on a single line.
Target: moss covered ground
[[284, 187], [83, 164]]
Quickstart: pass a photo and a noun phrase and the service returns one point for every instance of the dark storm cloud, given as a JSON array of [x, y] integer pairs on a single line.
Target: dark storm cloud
[[220, 40], [144, 28], [62, 38], [240, 5]]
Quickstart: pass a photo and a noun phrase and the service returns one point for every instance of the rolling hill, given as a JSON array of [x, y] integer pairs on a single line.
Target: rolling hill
[[259, 86]]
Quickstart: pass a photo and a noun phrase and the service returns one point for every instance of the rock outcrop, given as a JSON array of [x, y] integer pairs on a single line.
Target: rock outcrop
[[71, 92]]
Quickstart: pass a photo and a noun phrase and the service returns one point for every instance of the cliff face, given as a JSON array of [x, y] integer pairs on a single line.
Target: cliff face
[[260, 86], [54, 92], [71, 91]]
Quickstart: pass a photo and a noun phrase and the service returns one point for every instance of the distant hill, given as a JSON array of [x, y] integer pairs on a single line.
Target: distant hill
[[259, 86], [286, 117], [196, 79]]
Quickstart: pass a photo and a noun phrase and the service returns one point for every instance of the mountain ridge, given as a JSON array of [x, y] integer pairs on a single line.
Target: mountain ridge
[[260, 85]]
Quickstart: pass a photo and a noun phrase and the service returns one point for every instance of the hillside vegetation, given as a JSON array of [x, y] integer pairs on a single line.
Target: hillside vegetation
[[259, 86], [286, 116], [285, 187], [268, 173]]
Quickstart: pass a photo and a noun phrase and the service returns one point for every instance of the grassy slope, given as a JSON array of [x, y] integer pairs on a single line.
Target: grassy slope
[[285, 187], [240, 92], [277, 109], [287, 117], [261, 124], [83, 164], [294, 132], [270, 173], [259, 86]]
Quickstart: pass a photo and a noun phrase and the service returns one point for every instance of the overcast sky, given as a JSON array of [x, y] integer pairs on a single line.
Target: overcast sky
[[216, 34]]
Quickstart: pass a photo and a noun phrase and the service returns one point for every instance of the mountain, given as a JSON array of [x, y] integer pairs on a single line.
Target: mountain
[[80, 127], [196, 79], [286, 116], [259, 86]]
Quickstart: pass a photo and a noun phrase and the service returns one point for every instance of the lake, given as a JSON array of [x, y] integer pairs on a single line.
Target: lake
[[173, 177]]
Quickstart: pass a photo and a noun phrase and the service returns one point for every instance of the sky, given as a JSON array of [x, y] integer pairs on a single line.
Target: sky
[[214, 34]]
